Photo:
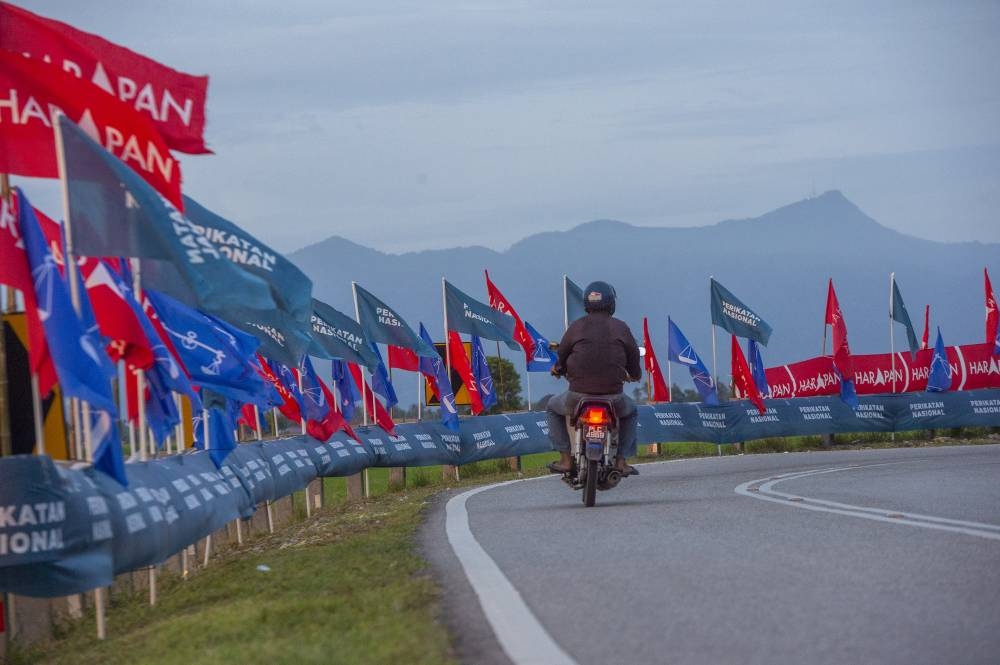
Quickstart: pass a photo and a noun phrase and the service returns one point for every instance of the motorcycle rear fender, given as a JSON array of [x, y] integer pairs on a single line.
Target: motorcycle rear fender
[[595, 450]]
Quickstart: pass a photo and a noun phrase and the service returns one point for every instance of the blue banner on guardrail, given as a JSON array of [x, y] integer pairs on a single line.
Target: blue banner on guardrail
[[66, 528]]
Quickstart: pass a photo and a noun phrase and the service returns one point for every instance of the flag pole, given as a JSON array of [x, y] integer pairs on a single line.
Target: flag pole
[[565, 304], [823, 351], [357, 317], [892, 336], [670, 380], [74, 289], [447, 354], [527, 377]]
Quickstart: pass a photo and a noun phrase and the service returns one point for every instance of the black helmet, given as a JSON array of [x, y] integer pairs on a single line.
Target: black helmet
[[599, 297]]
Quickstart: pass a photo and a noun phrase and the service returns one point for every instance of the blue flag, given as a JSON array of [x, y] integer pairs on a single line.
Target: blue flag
[[544, 358], [730, 314], [315, 406], [114, 212], [220, 432], [680, 351], [381, 384], [437, 368], [468, 315], [286, 376], [83, 368], [939, 378], [215, 354], [756, 362], [481, 374], [381, 323], [573, 299], [848, 392], [898, 313], [347, 391], [108, 456], [336, 335]]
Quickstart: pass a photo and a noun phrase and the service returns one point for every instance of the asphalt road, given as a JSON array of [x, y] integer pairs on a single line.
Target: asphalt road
[[882, 556]]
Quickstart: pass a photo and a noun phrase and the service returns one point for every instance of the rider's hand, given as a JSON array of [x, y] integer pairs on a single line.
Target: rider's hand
[[556, 371]]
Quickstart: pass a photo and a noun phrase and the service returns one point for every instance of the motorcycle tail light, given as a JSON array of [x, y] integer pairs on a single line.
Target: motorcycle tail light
[[595, 415]]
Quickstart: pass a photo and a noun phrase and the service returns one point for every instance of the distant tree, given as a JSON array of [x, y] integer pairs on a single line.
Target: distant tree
[[507, 383]]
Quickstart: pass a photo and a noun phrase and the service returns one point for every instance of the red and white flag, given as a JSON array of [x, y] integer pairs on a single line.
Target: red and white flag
[[173, 101], [460, 363], [32, 91], [16, 272], [992, 315], [381, 416], [743, 379], [835, 319], [404, 359], [115, 316], [501, 304], [660, 392]]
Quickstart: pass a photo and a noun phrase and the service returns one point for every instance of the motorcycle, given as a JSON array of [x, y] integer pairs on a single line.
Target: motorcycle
[[593, 429]]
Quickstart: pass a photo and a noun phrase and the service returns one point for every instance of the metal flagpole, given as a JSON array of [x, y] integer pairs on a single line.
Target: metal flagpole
[[565, 304], [420, 395], [74, 288], [670, 376], [527, 378], [447, 354], [892, 336], [823, 352], [715, 367], [357, 317]]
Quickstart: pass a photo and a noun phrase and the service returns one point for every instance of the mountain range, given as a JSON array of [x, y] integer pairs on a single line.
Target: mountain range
[[777, 263]]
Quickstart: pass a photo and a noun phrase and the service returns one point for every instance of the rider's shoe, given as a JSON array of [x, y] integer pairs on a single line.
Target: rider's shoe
[[564, 465], [624, 468]]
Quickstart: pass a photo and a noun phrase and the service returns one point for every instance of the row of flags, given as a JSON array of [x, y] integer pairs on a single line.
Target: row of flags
[[143, 279]]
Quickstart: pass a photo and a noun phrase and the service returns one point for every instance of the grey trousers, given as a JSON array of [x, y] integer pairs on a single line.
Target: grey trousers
[[565, 403]]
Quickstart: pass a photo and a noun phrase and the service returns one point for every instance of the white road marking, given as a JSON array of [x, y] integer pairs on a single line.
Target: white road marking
[[522, 637], [765, 492]]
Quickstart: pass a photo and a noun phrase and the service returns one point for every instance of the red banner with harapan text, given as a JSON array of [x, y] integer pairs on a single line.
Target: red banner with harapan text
[[31, 92], [172, 100], [973, 367]]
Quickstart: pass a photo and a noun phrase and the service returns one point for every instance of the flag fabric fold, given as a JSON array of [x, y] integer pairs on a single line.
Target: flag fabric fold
[[573, 300], [340, 336], [348, 391], [381, 415], [381, 383], [481, 375], [680, 351], [460, 364], [992, 314], [925, 340], [756, 362], [733, 316], [742, 378], [113, 212], [171, 100], [436, 371], [502, 305], [465, 314], [939, 372], [543, 359], [660, 392], [842, 362], [400, 358], [83, 368], [381, 323], [898, 313]]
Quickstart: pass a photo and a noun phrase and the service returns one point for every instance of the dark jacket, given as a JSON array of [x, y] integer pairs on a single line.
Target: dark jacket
[[598, 354]]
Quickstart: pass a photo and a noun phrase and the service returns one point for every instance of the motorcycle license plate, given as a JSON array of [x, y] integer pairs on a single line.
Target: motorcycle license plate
[[596, 431]]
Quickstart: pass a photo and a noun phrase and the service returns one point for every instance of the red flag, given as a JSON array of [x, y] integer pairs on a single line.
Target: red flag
[[460, 363], [927, 327], [743, 380], [660, 392], [173, 101], [15, 272], [52, 230], [404, 359], [835, 319], [501, 304], [322, 430], [30, 90], [115, 317], [381, 416], [289, 407], [992, 315]]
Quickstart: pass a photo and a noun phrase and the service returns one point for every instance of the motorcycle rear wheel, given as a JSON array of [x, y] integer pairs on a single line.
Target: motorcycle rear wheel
[[590, 488]]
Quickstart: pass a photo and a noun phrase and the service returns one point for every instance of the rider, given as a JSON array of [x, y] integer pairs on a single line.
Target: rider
[[598, 354]]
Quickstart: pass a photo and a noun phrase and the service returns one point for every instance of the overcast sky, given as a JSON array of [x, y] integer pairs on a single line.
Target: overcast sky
[[408, 125]]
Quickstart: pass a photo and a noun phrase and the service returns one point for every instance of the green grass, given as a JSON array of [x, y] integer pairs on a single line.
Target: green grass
[[344, 587]]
